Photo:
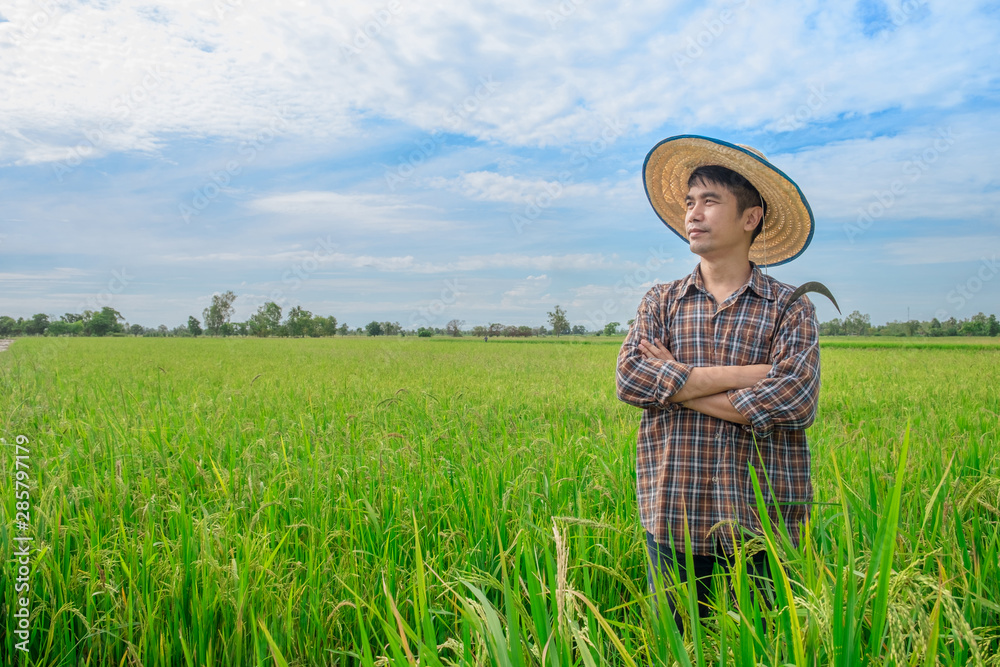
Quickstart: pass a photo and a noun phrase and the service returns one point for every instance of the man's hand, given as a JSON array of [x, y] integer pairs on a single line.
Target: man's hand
[[706, 380], [655, 350]]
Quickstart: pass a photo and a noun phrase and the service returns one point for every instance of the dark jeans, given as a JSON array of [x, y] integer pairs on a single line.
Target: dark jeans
[[664, 558]]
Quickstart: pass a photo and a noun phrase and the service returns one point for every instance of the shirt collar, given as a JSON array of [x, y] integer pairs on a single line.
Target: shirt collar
[[757, 282]]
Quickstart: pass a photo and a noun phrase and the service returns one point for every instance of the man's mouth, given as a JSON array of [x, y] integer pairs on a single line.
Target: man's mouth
[[694, 231]]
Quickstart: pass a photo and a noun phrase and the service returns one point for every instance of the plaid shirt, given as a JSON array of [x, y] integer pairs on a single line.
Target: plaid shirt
[[690, 464]]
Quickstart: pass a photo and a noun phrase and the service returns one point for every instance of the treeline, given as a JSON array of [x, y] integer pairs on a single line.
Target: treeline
[[109, 322], [267, 321], [859, 324]]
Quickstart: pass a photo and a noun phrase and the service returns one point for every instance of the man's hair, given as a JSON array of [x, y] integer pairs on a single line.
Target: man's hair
[[744, 191]]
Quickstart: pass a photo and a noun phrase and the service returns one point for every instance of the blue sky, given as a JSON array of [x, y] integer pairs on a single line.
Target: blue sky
[[421, 161]]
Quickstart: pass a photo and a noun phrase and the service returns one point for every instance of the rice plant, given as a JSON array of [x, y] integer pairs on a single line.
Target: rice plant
[[410, 501]]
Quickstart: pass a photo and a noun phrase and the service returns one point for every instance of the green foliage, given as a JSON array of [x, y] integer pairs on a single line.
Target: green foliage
[[558, 321], [8, 326], [266, 321], [62, 328], [194, 326], [324, 326], [217, 315], [857, 324], [105, 323], [37, 325], [299, 322]]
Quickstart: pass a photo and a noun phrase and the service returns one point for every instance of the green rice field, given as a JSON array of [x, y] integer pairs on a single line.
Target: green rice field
[[409, 501]]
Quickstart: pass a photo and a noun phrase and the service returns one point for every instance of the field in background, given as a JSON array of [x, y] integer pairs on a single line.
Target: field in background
[[332, 501]]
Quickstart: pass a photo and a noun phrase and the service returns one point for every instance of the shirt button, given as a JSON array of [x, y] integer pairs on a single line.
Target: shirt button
[[715, 480]]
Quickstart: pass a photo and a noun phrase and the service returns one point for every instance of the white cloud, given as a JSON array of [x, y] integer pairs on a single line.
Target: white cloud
[[329, 259], [527, 294], [97, 78], [67, 275], [491, 186], [349, 211], [937, 172]]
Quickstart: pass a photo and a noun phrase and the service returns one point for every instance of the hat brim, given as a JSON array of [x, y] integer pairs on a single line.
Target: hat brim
[[789, 223]]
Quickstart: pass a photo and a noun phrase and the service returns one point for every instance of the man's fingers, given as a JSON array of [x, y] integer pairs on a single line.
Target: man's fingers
[[655, 350]]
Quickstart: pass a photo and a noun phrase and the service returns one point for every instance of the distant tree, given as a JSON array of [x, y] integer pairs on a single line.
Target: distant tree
[[71, 317], [857, 324], [479, 331], [136, 329], [266, 321], [194, 326], [977, 325], [424, 332], [299, 322], [181, 331], [373, 328], [611, 328], [107, 322], [58, 328], [391, 328], [7, 325], [495, 329], [219, 312], [344, 329], [558, 321], [454, 327], [541, 331], [239, 328], [832, 328], [992, 326], [579, 330], [324, 326], [162, 330], [37, 324]]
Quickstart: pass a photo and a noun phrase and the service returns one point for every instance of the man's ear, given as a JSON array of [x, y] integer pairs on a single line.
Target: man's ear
[[753, 216]]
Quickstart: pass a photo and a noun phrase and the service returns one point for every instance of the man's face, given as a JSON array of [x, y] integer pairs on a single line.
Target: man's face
[[715, 227]]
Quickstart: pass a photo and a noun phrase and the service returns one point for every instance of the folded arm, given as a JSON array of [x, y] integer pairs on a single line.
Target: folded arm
[[641, 381], [706, 380], [718, 406], [649, 376], [788, 396]]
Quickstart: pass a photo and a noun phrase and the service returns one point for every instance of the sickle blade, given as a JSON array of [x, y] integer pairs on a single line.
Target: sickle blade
[[813, 286]]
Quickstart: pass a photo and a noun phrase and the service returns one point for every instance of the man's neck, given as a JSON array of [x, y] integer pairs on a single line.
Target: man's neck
[[723, 277]]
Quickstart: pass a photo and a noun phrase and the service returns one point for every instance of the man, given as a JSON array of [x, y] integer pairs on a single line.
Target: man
[[696, 359]]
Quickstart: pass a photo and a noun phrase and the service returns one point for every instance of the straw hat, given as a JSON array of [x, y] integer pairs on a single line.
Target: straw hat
[[788, 225]]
